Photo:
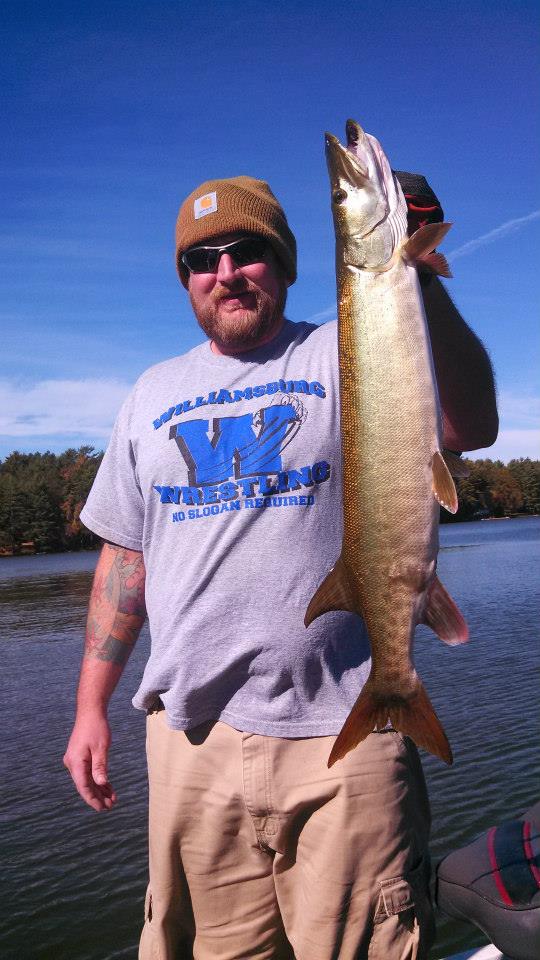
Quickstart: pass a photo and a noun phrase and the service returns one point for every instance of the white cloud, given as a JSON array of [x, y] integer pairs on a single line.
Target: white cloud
[[497, 234], [86, 410], [78, 408]]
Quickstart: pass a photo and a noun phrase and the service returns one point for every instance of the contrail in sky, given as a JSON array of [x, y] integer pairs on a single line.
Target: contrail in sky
[[496, 234], [323, 315], [509, 227]]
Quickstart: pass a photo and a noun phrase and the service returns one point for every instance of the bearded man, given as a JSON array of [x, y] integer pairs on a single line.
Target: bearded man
[[219, 501]]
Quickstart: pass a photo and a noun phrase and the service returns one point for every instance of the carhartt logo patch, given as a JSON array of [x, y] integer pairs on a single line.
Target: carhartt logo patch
[[204, 205]]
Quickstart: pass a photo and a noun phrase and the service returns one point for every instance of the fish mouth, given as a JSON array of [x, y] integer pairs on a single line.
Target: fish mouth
[[354, 132], [346, 162]]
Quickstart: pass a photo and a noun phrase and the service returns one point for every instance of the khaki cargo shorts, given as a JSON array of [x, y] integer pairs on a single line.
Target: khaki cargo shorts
[[257, 850]]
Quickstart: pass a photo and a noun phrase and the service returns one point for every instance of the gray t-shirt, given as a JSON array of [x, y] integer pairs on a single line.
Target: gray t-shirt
[[226, 473]]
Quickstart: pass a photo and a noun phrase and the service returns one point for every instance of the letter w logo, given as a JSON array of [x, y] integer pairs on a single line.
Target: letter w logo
[[238, 446]]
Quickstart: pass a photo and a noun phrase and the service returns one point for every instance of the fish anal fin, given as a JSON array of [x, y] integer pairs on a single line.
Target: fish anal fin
[[334, 593], [435, 263], [412, 716], [457, 467], [444, 488], [443, 616], [424, 240]]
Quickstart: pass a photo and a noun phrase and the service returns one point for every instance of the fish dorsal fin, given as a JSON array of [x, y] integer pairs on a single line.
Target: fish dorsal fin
[[419, 249], [334, 593], [457, 467], [443, 616], [444, 488]]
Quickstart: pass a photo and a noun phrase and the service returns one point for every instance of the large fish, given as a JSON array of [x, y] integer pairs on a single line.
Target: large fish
[[395, 473]]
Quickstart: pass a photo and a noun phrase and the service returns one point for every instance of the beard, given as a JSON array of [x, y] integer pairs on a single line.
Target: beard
[[246, 327]]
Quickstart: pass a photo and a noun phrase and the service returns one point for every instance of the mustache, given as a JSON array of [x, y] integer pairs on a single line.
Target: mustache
[[242, 285]]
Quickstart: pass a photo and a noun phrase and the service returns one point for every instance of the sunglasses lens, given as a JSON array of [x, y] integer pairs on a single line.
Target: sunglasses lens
[[243, 252], [249, 250], [201, 259]]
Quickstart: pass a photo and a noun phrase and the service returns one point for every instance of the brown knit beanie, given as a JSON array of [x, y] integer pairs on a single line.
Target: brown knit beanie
[[226, 206]]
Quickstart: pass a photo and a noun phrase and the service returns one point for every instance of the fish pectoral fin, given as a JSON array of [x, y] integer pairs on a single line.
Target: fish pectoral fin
[[334, 593], [424, 240], [434, 263], [412, 715], [443, 616], [457, 467], [444, 488]]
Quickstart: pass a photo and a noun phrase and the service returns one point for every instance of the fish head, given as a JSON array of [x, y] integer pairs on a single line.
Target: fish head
[[368, 206]]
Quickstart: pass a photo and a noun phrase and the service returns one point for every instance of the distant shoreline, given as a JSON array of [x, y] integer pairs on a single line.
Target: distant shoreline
[[446, 523], [42, 495], [47, 553]]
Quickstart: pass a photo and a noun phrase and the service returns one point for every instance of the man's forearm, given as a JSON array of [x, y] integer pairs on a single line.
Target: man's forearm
[[464, 374], [116, 614]]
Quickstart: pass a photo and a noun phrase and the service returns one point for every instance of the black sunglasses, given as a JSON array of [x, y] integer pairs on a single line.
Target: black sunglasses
[[243, 252]]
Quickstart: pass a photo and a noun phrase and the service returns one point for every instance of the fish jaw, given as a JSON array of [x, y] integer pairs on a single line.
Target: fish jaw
[[368, 206]]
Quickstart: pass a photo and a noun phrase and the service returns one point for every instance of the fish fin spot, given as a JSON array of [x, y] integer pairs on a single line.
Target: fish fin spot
[[444, 488], [457, 467], [412, 716], [443, 616], [334, 593], [424, 240]]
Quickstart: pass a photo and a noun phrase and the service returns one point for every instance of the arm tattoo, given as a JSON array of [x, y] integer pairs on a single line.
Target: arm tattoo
[[117, 610]]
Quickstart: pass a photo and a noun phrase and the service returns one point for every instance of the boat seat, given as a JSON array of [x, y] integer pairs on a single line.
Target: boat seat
[[494, 882]]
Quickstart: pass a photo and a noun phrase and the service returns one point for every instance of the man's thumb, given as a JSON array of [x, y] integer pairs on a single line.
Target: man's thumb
[[99, 768]]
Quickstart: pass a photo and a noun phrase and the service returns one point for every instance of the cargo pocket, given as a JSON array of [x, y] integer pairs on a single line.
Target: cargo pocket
[[403, 925]]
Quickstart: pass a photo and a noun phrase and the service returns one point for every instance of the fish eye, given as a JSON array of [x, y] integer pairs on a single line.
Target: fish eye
[[339, 196]]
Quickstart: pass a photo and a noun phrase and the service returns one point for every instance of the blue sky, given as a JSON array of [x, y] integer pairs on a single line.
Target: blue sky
[[116, 111]]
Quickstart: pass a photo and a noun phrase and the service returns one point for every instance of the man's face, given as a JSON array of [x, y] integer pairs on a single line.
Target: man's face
[[239, 308]]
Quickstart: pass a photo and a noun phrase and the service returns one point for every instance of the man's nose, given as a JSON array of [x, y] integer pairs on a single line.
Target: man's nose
[[226, 269]]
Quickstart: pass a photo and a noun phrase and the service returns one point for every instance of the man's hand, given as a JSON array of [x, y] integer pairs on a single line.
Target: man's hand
[[86, 760]]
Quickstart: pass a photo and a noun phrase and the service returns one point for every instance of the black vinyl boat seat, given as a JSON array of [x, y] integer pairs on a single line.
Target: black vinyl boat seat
[[494, 882]]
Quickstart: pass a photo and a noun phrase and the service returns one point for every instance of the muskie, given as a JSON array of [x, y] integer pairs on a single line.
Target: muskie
[[395, 473]]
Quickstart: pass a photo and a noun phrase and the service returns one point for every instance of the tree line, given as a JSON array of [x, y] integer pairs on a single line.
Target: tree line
[[41, 497], [42, 494]]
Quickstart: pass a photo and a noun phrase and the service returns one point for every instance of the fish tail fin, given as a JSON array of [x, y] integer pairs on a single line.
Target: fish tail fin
[[413, 716], [416, 718], [368, 713]]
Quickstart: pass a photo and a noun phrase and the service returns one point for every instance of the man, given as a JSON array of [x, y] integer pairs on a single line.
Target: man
[[219, 503]]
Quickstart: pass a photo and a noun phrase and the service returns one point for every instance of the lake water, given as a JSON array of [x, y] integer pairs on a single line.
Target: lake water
[[73, 881]]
